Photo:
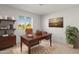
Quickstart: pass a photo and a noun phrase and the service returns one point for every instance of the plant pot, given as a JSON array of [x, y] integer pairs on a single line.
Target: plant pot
[[70, 45], [75, 45]]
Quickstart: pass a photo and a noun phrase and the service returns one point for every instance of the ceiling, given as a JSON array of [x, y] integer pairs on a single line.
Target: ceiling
[[42, 9]]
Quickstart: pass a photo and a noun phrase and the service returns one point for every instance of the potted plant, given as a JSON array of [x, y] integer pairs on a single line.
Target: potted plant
[[71, 35]]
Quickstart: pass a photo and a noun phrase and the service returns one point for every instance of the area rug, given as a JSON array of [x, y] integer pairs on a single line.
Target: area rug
[[39, 49]]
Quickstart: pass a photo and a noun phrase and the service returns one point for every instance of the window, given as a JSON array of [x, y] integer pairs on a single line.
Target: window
[[24, 22]]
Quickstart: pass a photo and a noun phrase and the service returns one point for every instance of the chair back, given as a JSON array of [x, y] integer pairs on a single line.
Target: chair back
[[29, 31]]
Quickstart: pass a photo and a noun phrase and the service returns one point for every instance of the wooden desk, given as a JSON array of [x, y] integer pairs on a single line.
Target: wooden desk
[[30, 42]]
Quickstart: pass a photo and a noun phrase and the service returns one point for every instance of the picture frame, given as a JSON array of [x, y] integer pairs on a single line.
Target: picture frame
[[56, 22]]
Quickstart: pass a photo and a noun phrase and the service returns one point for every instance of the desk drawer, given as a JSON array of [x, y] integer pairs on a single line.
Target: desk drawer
[[33, 42]]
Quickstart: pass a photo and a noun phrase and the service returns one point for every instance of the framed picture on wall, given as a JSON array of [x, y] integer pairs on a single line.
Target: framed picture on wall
[[56, 22]]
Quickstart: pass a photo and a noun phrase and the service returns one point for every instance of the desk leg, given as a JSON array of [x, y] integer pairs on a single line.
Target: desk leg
[[21, 45], [50, 40], [29, 50]]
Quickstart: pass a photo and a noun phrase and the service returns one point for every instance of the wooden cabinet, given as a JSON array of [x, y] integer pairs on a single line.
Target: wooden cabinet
[[7, 28], [7, 41]]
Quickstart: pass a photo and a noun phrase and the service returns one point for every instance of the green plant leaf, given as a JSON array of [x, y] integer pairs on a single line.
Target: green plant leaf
[[71, 34]]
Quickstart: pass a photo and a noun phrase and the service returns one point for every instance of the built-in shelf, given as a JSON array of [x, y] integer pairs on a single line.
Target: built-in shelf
[[7, 20], [7, 29], [10, 40]]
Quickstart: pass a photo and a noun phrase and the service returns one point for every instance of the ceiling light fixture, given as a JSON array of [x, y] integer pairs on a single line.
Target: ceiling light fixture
[[41, 4]]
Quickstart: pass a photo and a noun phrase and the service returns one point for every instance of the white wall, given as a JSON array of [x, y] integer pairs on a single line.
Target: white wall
[[71, 17], [10, 11]]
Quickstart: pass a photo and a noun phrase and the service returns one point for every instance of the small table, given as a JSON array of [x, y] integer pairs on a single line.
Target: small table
[[30, 42]]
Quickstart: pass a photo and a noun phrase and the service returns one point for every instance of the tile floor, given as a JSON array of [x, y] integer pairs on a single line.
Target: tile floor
[[42, 48]]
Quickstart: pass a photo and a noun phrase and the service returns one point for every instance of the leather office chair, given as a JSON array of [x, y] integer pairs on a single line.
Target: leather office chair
[[29, 32]]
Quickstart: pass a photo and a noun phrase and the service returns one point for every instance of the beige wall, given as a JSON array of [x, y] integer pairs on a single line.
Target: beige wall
[[71, 17], [10, 11]]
